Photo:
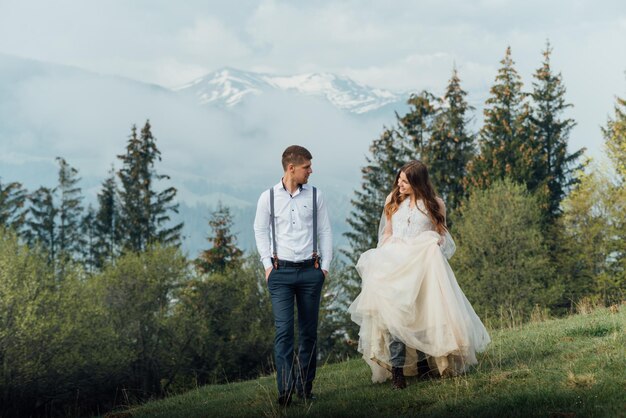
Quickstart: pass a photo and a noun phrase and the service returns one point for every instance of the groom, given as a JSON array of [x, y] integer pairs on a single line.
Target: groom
[[290, 219]]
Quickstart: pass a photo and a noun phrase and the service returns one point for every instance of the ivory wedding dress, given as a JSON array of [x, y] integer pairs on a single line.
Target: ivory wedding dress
[[409, 291]]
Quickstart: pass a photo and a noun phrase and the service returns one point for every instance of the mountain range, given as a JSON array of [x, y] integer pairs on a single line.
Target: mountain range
[[220, 135], [228, 87]]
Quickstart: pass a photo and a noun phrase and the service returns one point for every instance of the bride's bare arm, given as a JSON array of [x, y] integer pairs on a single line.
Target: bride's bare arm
[[387, 231]]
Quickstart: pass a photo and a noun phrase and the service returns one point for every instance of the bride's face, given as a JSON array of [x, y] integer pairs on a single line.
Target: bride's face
[[404, 186]]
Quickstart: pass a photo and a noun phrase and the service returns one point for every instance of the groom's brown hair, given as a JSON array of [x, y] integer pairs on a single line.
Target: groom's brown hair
[[295, 154]]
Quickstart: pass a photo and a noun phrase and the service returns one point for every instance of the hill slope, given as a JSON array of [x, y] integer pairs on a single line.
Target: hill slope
[[569, 367]]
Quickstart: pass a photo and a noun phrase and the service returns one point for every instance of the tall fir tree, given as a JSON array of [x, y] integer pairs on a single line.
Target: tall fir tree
[[12, 206], [70, 211], [506, 138], [451, 145], [416, 125], [106, 230], [144, 211], [378, 176], [90, 248], [555, 167], [224, 252], [135, 178], [41, 222]]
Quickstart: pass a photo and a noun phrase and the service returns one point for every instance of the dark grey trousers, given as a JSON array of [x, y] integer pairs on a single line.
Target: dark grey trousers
[[290, 286], [397, 352]]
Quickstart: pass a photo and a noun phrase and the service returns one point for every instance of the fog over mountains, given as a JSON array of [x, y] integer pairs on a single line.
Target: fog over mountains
[[221, 136]]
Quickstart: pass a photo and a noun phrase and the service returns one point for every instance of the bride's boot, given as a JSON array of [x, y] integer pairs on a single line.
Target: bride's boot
[[397, 378], [423, 370]]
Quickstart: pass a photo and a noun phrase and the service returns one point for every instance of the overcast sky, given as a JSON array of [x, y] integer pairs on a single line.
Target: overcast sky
[[398, 45]]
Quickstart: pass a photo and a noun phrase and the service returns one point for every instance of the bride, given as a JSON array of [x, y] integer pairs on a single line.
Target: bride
[[413, 317]]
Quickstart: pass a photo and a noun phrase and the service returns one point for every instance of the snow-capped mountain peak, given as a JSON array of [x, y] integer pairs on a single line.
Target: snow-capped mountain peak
[[225, 87], [228, 87]]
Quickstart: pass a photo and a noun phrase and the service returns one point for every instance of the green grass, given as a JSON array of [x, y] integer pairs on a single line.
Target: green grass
[[570, 367]]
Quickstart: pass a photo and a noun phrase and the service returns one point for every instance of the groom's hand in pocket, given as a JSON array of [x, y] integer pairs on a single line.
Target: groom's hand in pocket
[[325, 272], [267, 273]]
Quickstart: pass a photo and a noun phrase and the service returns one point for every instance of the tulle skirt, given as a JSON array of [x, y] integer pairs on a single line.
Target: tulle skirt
[[410, 292]]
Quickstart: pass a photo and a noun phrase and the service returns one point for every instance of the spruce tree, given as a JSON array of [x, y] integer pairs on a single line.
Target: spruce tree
[[106, 229], [12, 206], [506, 140], [451, 145], [416, 126], [553, 173], [70, 238], [144, 211], [90, 250], [134, 177], [41, 222], [387, 156], [224, 252]]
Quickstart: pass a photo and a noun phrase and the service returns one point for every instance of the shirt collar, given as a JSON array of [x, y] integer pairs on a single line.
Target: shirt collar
[[281, 185]]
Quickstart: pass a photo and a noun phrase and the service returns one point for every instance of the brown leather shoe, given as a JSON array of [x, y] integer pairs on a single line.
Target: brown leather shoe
[[307, 396], [397, 378], [284, 399]]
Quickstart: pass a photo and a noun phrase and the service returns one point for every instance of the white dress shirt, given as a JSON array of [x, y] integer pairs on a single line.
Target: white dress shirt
[[293, 216]]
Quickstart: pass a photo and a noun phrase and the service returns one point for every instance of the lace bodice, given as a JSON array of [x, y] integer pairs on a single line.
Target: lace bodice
[[409, 222]]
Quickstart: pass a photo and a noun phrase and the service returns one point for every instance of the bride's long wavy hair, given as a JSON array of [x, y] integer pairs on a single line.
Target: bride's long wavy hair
[[417, 176]]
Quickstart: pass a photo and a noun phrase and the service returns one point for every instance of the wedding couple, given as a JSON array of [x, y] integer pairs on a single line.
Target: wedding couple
[[413, 317]]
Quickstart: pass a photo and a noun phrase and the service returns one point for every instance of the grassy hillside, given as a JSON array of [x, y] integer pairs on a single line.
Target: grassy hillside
[[571, 367]]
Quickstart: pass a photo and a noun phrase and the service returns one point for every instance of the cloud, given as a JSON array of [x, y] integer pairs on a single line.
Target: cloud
[[389, 44], [86, 118], [211, 154], [210, 43], [163, 42]]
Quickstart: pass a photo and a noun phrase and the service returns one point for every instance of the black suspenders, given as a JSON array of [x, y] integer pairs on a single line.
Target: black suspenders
[[315, 257]]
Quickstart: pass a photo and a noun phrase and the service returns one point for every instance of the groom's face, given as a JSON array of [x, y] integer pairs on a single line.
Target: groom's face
[[301, 172]]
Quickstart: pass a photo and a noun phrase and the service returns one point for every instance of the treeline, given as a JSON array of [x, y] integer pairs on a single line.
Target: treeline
[[538, 228], [99, 307], [132, 212]]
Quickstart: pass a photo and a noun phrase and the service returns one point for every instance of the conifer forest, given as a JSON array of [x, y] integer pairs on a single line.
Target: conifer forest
[[99, 306]]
